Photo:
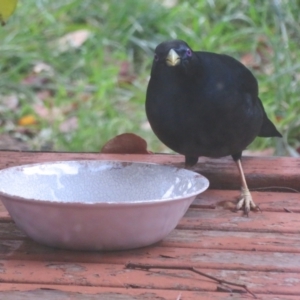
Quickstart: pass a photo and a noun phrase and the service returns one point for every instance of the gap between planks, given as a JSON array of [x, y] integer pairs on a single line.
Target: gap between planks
[[116, 276], [191, 257], [53, 292]]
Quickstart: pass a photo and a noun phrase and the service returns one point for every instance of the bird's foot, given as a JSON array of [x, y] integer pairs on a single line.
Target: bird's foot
[[246, 202]]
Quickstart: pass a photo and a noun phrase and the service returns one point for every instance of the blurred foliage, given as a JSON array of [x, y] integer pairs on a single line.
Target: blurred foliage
[[83, 95]]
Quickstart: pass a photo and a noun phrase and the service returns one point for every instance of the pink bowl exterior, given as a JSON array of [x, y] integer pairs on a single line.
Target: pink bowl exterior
[[75, 226]]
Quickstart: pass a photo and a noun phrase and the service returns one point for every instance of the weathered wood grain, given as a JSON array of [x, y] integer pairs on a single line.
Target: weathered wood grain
[[262, 251], [233, 240], [204, 239], [222, 173], [90, 274], [202, 258], [208, 219], [267, 201], [69, 292]]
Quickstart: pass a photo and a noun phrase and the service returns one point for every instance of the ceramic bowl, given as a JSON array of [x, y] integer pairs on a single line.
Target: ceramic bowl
[[98, 205]]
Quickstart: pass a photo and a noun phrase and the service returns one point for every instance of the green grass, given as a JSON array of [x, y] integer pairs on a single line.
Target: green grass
[[84, 85]]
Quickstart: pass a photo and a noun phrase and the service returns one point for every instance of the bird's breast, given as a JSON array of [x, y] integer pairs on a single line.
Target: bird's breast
[[196, 120]]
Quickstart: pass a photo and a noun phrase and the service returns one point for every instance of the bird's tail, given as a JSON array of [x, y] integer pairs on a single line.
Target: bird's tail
[[268, 129]]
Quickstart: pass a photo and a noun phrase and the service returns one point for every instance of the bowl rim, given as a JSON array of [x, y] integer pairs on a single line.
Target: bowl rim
[[103, 204]]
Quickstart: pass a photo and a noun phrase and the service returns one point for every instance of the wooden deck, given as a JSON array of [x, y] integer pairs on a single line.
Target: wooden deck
[[262, 251]]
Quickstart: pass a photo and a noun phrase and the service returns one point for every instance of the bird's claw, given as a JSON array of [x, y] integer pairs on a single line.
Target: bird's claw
[[246, 201]]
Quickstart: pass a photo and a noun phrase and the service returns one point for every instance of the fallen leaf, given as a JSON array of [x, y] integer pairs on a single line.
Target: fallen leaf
[[7, 7], [27, 120], [227, 204], [260, 58], [42, 111], [126, 75], [251, 60], [42, 67], [69, 108], [278, 118], [127, 143], [49, 114], [73, 40], [169, 3], [40, 75], [36, 80]]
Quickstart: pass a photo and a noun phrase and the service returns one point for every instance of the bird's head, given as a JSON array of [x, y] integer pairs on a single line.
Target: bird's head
[[175, 53]]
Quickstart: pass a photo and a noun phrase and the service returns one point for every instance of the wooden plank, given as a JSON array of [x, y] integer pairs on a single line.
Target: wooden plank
[[69, 292], [219, 219], [4, 215], [204, 239], [222, 220], [9, 231], [260, 172], [226, 199], [200, 258], [106, 275], [229, 240], [262, 251], [267, 201], [222, 173]]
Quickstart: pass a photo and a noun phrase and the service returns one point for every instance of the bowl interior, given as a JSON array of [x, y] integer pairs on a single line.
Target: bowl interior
[[100, 182]]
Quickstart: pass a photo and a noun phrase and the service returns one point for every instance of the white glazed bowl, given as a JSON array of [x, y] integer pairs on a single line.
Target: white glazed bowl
[[98, 205]]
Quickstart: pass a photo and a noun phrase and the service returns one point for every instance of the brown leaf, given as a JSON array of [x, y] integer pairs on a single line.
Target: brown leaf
[[251, 60], [260, 58], [227, 204], [35, 80], [126, 75], [41, 110], [127, 143]]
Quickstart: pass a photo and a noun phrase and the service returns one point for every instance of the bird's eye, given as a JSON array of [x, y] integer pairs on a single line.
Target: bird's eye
[[155, 57], [189, 52]]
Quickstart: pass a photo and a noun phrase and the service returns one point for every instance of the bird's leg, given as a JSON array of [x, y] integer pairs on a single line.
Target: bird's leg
[[190, 161], [245, 200]]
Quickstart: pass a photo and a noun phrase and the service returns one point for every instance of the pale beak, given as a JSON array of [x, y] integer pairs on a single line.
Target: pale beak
[[173, 59]]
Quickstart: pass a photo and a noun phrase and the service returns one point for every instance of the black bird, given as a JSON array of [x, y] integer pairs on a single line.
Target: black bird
[[205, 104]]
